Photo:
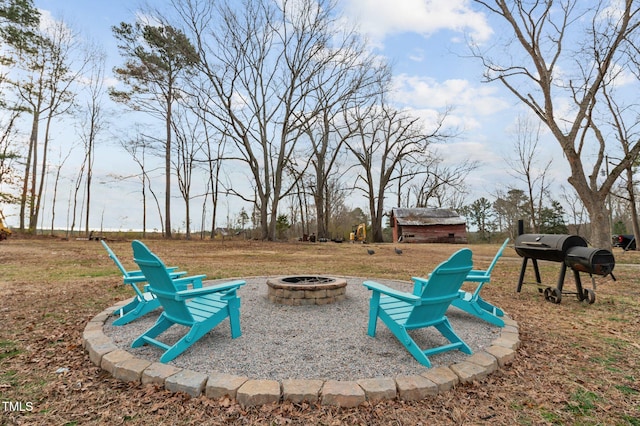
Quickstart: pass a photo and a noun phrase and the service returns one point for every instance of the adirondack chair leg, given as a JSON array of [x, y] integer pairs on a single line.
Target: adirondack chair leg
[[480, 309], [141, 309], [447, 331], [161, 325], [412, 347], [183, 344], [128, 307], [374, 307], [494, 310], [194, 334], [234, 318]]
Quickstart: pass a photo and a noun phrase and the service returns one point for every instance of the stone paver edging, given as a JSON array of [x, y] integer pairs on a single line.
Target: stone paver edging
[[250, 392]]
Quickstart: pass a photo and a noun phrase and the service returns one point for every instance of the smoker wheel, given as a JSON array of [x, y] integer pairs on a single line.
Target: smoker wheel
[[588, 296], [553, 295]]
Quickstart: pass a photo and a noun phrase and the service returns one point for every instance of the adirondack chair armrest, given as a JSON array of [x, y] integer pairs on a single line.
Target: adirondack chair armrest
[[194, 280], [135, 277], [401, 295], [418, 284], [170, 269], [195, 292], [478, 276]]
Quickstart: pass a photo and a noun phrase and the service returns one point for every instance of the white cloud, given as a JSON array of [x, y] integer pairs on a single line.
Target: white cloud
[[455, 153], [417, 55], [380, 18], [461, 95], [46, 19]]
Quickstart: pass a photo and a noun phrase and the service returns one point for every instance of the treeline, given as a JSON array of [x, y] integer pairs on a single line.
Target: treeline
[[282, 93], [283, 105]]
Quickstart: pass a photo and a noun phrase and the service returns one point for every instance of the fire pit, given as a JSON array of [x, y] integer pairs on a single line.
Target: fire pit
[[306, 290]]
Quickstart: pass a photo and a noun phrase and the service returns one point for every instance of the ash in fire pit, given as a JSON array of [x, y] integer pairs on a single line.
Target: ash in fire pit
[[306, 290], [307, 280]]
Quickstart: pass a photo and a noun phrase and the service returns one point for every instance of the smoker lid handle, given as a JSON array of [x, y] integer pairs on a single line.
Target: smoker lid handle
[[536, 244]]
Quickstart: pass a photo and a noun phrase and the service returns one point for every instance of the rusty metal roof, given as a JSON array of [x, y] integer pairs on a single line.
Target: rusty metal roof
[[426, 216]]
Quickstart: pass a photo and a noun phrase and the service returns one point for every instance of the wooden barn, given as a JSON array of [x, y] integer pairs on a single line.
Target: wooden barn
[[423, 225]]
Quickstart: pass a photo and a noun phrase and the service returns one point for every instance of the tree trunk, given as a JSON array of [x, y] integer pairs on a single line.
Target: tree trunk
[[273, 219], [144, 206], [32, 191], [634, 208], [327, 210], [89, 175], [376, 221], [167, 172], [33, 144], [599, 219], [33, 223], [321, 230]]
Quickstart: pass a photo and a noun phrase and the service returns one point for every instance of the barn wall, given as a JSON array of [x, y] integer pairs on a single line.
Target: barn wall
[[432, 234], [394, 228]]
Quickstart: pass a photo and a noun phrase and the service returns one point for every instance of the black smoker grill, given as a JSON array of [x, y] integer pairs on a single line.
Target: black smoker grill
[[572, 252]]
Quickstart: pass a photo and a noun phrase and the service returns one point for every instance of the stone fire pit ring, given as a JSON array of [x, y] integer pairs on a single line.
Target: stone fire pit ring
[[300, 290]]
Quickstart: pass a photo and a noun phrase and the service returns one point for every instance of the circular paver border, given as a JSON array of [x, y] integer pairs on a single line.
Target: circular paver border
[[124, 366]]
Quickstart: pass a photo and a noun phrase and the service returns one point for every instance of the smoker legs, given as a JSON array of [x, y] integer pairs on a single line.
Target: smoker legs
[[554, 295]]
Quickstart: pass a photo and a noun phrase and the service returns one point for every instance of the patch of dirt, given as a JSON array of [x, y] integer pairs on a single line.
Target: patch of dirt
[[578, 363]]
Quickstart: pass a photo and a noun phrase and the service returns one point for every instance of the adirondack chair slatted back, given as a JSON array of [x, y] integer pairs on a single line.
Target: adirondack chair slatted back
[[160, 282], [125, 274], [441, 288]]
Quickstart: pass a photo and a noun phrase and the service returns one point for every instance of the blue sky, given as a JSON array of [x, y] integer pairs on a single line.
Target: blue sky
[[423, 39]]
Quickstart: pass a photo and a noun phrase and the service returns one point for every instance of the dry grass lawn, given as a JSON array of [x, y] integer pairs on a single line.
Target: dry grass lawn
[[578, 363]]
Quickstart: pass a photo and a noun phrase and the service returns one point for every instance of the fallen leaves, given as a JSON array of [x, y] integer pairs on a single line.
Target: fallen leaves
[[564, 347]]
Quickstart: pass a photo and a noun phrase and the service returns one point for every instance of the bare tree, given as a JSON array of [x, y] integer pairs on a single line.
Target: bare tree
[[189, 143], [265, 62], [213, 145], [626, 131], [91, 124], [541, 70], [351, 77], [137, 148], [47, 92], [439, 185], [576, 209], [383, 138], [54, 198], [215, 149], [525, 166], [94, 123]]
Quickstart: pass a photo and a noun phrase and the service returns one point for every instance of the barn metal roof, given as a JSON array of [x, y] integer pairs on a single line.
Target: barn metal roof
[[426, 216]]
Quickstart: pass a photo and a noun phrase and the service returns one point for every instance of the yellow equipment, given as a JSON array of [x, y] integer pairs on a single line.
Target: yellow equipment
[[4, 230], [359, 233]]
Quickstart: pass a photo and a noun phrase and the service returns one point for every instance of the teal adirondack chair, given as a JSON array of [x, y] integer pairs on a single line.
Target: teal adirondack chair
[[199, 309], [144, 301], [426, 307], [473, 303]]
